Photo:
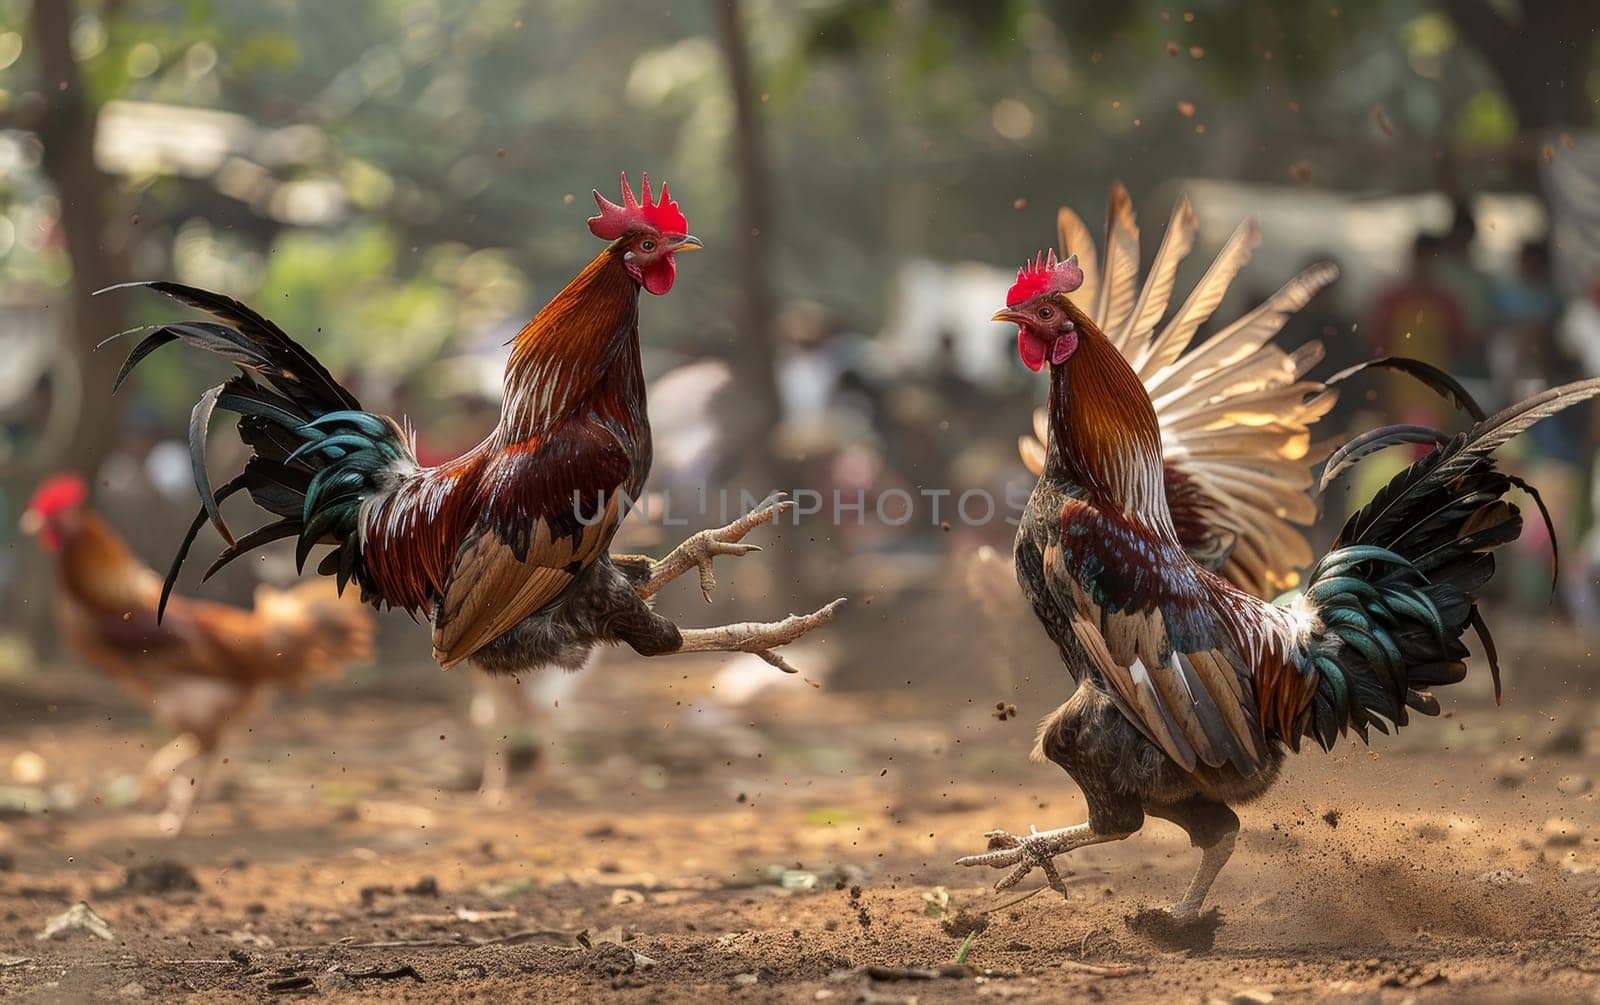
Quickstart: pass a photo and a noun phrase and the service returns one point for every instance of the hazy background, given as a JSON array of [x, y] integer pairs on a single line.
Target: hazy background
[[401, 183]]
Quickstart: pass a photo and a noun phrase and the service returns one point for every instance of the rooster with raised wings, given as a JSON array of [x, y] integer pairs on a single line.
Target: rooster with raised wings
[[505, 549], [1159, 524]]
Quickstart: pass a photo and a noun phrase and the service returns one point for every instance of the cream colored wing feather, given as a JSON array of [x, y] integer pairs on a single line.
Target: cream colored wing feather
[[1072, 234], [1235, 410], [1121, 279]]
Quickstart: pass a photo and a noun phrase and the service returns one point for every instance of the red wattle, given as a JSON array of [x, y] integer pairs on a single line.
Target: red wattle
[[1031, 349], [659, 274]]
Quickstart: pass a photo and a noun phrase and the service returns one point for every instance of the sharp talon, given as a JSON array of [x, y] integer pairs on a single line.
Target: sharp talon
[[777, 661]]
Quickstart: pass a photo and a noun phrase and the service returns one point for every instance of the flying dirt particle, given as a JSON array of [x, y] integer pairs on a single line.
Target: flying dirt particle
[[1574, 785], [501, 153], [1019, 203], [1160, 927], [127, 615], [1300, 171], [1186, 109], [1561, 833], [1331, 818], [1004, 710], [159, 877], [1549, 153], [569, 199], [1096, 56], [1172, 49], [964, 923], [1381, 117], [425, 886], [1195, 52]]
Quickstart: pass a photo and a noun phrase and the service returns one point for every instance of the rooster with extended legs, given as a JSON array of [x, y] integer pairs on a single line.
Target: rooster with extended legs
[[1157, 531], [505, 549]]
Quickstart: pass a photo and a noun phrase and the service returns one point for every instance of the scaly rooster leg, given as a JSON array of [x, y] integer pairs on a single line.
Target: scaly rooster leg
[[756, 637], [701, 548], [1036, 850], [1212, 860], [165, 763], [1213, 827], [183, 786]]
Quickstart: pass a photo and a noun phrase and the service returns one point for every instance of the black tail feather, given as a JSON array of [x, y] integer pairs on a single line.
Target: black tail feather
[[285, 400], [1432, 377], [200, 518], [1399, 588]]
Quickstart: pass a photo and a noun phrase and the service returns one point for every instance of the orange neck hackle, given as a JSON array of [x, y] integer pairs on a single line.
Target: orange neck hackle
[[1104, 434], [562, 355]]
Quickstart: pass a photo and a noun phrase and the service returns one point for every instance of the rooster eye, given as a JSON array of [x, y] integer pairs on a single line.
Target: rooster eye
[[1046, 313], [647, 245]]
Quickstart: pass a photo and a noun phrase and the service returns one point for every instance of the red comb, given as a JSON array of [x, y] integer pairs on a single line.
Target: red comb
[[1045, 275], [58, 492], [613, 221]]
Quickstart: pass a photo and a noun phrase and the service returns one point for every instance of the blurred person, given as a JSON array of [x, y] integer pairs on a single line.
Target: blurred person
[[821, 368], [1455, 270], [1422, 317], [1578, 331], [1529, 357]]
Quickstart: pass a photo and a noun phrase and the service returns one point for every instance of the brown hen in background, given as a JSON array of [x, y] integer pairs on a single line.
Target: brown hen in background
[[205, 665]]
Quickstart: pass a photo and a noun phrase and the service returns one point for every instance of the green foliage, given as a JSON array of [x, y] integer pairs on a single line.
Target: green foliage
[[346, 283]]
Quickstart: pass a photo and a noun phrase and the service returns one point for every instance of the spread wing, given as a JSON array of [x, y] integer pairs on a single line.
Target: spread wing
[[548, 511], [1235, 410], [1149, 622]]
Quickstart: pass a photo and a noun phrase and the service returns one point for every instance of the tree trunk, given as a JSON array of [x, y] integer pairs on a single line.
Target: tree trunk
[[66, 134], [754, 358], [753, 350]]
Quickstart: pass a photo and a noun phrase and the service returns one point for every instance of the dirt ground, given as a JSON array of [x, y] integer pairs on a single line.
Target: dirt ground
[[795, 846]]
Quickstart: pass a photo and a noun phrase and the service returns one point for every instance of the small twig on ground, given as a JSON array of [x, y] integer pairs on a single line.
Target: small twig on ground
[[456, 942], [395, 974], [880, 973], [1014, 901], [1105, 969]]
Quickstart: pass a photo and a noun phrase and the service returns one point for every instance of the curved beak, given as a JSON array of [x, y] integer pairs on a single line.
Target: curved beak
[[1008, 314], [687, 242], [32, 522]]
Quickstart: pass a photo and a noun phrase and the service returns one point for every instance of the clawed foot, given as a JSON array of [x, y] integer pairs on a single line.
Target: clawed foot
[[701, 548], [757, 637], [1038, 849]]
